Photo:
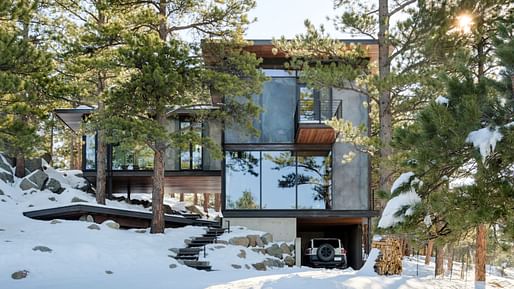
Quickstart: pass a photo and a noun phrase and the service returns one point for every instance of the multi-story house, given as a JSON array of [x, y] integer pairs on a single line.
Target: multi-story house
[[290, 180]]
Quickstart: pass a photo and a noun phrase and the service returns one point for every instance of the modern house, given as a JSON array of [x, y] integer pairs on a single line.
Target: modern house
[[289, 180]]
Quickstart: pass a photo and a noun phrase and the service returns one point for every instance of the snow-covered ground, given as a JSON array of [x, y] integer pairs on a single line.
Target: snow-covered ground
[[71, 255]]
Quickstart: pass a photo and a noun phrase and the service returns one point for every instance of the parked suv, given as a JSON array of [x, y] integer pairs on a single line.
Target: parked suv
[[326, 252]]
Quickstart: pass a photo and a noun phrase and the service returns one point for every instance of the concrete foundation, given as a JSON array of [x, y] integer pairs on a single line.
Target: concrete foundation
[[282, 229]]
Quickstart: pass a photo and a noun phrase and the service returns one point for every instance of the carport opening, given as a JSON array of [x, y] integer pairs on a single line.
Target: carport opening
[[349, 234]]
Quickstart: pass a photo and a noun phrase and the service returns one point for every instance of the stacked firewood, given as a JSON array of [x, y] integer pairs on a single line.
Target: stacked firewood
[[389, 261]]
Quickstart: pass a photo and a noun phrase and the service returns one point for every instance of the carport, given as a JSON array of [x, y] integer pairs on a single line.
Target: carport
[[349, 230]]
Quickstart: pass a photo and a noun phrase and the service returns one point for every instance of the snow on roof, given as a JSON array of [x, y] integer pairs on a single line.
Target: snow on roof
[[391, 216], [485, 140], [401, 180], [442, 100]]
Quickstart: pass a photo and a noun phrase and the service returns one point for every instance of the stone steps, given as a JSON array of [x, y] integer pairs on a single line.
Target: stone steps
[[189, 256]]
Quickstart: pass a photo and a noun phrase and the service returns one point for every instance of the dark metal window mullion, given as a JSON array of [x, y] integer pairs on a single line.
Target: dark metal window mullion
[[260, 180], [296, 179]]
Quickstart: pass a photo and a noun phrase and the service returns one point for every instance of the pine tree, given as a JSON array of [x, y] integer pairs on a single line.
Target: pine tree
[[25, 82], [166, 72]]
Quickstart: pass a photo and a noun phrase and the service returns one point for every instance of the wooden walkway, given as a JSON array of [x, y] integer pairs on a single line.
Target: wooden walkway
[[125, 217]]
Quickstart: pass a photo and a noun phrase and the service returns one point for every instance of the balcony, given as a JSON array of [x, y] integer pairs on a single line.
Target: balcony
[[313, 110]]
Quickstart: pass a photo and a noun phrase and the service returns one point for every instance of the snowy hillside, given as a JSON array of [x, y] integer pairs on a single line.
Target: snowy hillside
[[79, 254]]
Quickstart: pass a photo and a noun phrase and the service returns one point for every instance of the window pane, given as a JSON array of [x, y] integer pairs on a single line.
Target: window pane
[[242, 183], [132, 158], [278, 180], [314, 181], [278, 103], [90, 152]]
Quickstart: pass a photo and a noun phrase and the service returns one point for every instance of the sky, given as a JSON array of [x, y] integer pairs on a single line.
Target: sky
[[276, 18]]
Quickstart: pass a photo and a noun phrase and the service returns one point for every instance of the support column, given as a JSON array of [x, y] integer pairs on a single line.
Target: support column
[[181, 197], [217, 202], [298, 251], [205, 202], [195, 199]]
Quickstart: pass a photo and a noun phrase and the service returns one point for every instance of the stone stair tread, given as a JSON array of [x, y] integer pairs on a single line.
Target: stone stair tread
[[189, 250], [196, 263], [203, 239], [188, 257]]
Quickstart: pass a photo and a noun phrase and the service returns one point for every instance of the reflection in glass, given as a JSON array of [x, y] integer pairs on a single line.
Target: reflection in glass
[[242, 183], [134, 157], [276, 121], [278, 191], [191, 158], [90, 152], [314, 182]]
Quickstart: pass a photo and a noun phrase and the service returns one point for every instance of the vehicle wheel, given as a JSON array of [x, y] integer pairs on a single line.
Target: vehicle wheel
[[326, 252]]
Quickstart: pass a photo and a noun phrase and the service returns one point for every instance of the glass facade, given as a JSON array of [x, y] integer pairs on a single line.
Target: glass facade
[[90, 152], [281, 180], [133, 158], [276, 121], [191, 158], [242, 180]]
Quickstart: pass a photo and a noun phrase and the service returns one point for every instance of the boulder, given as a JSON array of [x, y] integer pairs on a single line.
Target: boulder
[[19, 274], [55, 221], [108, 272], [38, 178], [247, 266], [219, 247], [53, 199], [33, 165], [6, 177], [259, 266], [270, 262], [25, 185], [42, 249], [195, 210], [93, 227], [54, 186], [5, 165], [221, 242], [274, 251], [285, 249], [259, 250], [291, 248], [267, 238], [90, 219], [78, 200], [235, 266], [1, 193], [140, 231], [167, 209], [239, 241], [253, 240], [173, 266], [290, 261], [174, 250], [242, 254], [111, 224]]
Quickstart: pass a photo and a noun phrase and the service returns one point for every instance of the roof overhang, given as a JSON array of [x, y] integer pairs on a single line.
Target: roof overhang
[[72, 117]]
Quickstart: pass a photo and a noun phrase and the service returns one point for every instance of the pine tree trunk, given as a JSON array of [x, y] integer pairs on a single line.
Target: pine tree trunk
[[158, 180], [206, 202], [449, 251], [20, 166], [385, 116], [158, 193], [101, 167], [101, 150], [480, 256], [439, 261], [428, 252], [462, 268]]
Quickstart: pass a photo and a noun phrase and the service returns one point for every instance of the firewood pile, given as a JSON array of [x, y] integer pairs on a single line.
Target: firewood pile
[[389, 261]]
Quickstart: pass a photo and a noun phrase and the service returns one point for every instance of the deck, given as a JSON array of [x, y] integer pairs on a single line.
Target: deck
[[126, 218]]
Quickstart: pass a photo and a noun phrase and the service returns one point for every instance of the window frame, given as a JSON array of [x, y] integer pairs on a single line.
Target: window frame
[[191, 147]]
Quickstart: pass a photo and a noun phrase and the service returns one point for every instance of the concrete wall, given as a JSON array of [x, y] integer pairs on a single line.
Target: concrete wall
[[282, 229], [350, 180]]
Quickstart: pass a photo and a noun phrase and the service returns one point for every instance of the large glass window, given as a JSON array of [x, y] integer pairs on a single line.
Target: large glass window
[[278, 180], [276, 121], [132, 158], [242, 180], [191, 158], [314, 181], [90, 151]]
